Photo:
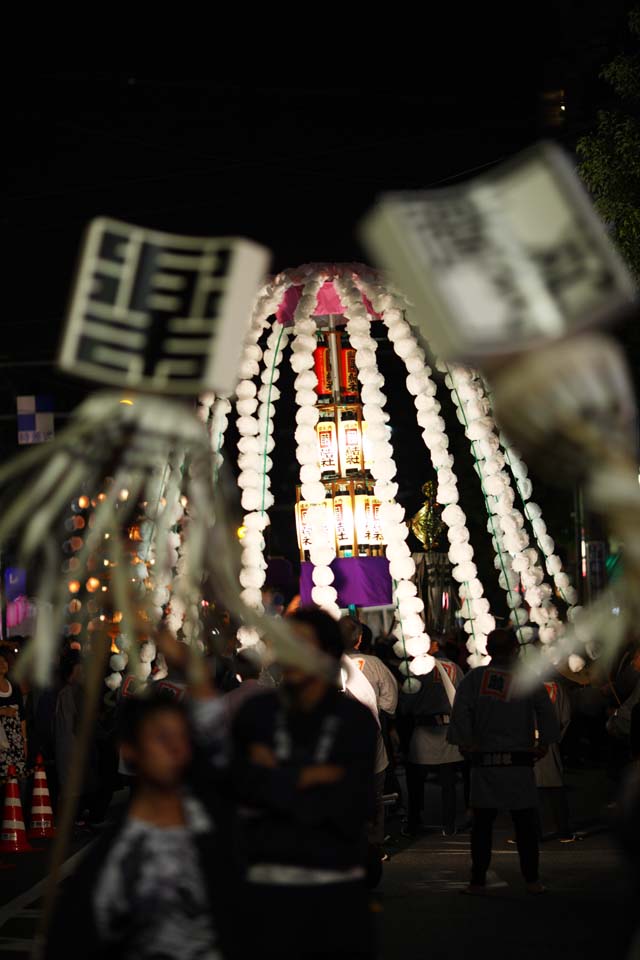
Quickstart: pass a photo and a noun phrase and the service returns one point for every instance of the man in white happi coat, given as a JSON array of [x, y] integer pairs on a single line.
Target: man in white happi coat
[[382, 686], [429, 750], [505, 731]]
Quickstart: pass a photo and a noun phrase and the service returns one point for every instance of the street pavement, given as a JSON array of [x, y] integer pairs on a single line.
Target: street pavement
[[586, 912], [420, 912]]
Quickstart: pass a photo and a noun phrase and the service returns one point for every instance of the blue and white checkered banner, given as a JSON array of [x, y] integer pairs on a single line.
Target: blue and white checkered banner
[[35, 419]]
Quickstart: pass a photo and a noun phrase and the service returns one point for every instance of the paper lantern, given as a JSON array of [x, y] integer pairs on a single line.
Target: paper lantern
[[420, 666], [418, 646], [343, 520]]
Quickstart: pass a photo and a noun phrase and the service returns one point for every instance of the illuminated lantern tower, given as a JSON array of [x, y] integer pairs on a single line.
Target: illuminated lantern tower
[[351, 530]]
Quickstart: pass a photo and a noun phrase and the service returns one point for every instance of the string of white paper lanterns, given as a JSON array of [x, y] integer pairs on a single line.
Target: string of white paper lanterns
[[533, 514], [516, 560], [321, 546], [475, 607], [414, 642], [256, 408]]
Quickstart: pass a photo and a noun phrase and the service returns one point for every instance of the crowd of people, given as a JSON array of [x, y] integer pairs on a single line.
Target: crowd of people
[[258, 793]]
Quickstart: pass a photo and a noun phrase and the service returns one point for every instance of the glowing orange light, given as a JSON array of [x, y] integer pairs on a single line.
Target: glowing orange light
[[241, 532], [92, 584], [83, 502], [74, 606], [127, 402], [117, 617], [74, 586]]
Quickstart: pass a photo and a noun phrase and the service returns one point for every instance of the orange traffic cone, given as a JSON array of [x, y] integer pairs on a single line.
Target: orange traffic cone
[[13, 838], [42, 827]]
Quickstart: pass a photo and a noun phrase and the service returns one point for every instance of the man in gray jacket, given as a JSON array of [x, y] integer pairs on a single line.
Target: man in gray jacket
[[505, 731]]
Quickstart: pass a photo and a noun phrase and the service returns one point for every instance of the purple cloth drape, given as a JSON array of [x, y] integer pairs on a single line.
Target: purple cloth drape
[[363, 581]]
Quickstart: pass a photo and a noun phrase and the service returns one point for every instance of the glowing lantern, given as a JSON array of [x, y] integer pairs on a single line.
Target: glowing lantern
[[367, 452], [377, 536], [363, 519], [92, 584], [350, 443], [343, 518], [327, 445], [74, 586], [303, 527]]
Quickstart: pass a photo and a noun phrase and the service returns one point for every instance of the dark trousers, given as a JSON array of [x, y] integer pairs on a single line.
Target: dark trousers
[[447, 776], [525, 823], [295, 923]]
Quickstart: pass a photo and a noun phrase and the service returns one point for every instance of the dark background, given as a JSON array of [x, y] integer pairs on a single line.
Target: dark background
[[293, 165]]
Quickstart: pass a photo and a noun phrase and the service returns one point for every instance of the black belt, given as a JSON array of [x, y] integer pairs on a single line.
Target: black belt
[[434, 720], [503, 758]]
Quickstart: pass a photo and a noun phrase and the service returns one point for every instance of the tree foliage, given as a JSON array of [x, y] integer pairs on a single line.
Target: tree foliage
[[610, 155]]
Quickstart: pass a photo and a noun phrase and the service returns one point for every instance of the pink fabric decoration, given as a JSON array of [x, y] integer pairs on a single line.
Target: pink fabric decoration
[[328, 302]]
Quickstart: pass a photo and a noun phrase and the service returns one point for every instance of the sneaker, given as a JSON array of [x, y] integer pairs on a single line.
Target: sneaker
[[449, 832], [384, 857], [571, 838]]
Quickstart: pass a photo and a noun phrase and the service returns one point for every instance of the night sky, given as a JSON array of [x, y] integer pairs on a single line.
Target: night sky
[[293, 165]]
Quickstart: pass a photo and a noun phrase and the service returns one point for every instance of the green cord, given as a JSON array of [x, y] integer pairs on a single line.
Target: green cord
[[525, 506], [486, 501], [402, 637], [266, 429]]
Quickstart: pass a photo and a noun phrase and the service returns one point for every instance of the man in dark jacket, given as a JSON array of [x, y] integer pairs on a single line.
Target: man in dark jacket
[[504, 729], [303, 772]]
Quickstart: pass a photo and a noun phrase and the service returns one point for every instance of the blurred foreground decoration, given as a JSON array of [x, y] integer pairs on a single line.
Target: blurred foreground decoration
[[508, 272], [162, 317]]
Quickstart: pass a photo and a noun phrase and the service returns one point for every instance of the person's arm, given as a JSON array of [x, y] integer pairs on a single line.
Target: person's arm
[[387, 690], [336, 792], [460, 729], [347, 801]]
